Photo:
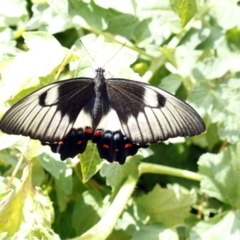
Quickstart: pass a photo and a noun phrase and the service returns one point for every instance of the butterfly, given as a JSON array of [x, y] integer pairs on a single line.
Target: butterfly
[[118, 115]]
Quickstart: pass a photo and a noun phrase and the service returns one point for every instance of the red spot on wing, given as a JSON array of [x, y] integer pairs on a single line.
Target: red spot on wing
[[61, 143], [116, 150], [128, 145], [98, 133], [79, 142], [88, 130], [106, 146]]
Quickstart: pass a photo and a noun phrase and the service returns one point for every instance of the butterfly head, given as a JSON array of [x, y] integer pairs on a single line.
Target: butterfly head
[[100, 71]]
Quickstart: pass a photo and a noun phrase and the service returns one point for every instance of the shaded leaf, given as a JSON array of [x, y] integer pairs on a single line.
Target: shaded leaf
[[24, 198], [168, 206], [221, 175], [219, 227], [155, 232]]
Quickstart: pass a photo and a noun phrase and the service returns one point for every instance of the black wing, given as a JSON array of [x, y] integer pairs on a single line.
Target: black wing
[[149, 114], [54, 115]]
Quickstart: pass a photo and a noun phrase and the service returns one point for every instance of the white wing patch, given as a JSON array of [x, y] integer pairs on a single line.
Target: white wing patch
[[83, 120], [145, 129], [110, 122], [59, 125], [134, 129], [52, 96], [153, 123], [150, 97]]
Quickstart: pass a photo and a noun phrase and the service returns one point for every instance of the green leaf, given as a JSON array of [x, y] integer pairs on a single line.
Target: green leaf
[[219, 227], [51, 18], [86, 211], [7, 141], [210, 68], [117, 61], [154, 232], [181, 61], [222, 109], [171, 83], [115, 173], [163, 21], [38, 173], [168, 206], [186, 9], [60, 7], [225, 13], [23, 71], [90, 162], [23, 198], [221, 175], [64, 187], [14, 11], [53, 166]]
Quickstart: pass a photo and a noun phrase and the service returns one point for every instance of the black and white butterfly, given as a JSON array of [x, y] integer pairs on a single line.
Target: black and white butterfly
[[119, 115]]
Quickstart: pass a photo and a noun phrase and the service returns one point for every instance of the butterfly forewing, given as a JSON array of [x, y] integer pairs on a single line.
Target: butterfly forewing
[[49, 113], [149, 114]]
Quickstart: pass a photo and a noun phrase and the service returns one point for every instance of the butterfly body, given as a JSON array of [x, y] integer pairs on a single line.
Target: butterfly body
[[119, 115]]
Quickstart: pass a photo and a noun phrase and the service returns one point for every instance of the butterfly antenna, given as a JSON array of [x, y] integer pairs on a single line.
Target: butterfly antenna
[[115, 54], [88, 53]]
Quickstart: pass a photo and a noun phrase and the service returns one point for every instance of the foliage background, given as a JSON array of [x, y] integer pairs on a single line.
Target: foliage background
[[181, 189]]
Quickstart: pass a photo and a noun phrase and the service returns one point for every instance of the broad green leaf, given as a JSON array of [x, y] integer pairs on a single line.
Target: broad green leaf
[[64, 187], [34, 210], [53, 166], [8, 140], [115, 173], [87, 211], [194, 37], [124, 6], [155, 231], [219, 227], [163, 21], [14, 11], [118, 235], [171, 83], [215, 36], [60, 7], [138, 30], [90, 162], [221, 175], [201, 98], [225, 13], [84, 12], [38, 173], [44, 56], [222, 109], [112, 57], [181, 60], [7, 44], [186, 9], [168, 206], [210, 69], [52, 19]]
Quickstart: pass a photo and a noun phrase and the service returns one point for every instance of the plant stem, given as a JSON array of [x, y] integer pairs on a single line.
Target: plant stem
[[105, 226], [159, 169]]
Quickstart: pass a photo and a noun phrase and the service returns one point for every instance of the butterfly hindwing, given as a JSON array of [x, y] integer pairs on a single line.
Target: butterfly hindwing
[[111, 141], [149, 114]]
